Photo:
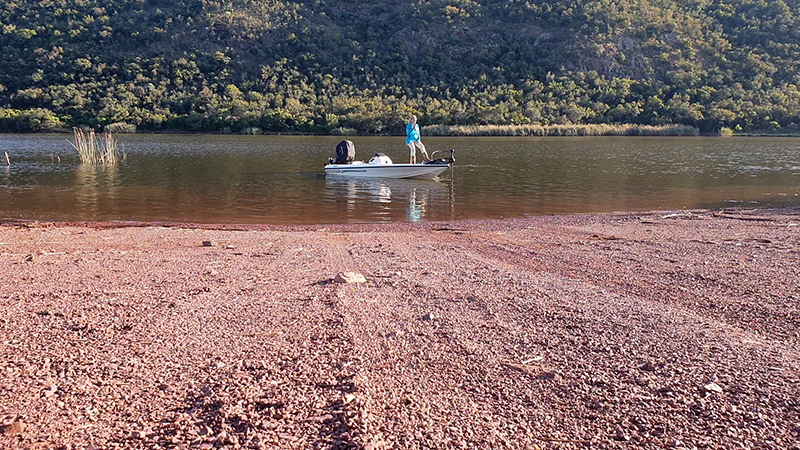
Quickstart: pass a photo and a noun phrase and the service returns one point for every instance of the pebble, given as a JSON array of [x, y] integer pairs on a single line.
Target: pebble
[[349, 278], [17, 427], [552, 375]]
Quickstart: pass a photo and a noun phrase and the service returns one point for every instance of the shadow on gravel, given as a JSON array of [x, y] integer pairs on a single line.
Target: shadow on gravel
[[336, 431]]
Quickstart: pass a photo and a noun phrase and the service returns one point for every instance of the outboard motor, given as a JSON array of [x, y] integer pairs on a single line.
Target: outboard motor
[[345, 152]]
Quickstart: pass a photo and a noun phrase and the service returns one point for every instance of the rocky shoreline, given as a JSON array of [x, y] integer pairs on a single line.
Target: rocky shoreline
[[650, 330]]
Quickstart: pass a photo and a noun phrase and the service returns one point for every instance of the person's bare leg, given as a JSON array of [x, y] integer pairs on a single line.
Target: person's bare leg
[[422, 150]]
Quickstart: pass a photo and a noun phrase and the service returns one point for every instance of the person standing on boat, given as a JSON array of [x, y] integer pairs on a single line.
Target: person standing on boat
[[413, 140]]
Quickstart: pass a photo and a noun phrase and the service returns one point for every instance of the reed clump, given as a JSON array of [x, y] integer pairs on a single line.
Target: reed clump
[[95, 150], [726, 132], [344, 131], [561, 130]]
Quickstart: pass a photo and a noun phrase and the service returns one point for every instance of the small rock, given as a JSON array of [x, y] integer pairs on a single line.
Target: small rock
[[17, 427], [222, 437], [30, 258], [51, 390], [141, 435], [647, 367], [377, 444], [349, 278], [348, 398], [208, 243], [622, 436], [595, 404], [713, 387], [428, 317], [319, 419], [552, 375]]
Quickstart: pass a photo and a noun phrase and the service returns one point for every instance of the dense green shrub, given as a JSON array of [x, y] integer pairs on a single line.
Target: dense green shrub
[[28, 121], [321, 67]]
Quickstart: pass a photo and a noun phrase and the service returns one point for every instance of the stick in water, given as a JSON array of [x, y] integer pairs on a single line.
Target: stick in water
[[8, 161]]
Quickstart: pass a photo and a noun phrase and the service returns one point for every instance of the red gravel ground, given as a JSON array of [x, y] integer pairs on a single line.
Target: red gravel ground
[[657, 330]]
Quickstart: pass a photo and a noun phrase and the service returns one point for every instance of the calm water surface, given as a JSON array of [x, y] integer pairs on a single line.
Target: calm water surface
[[279, 180]]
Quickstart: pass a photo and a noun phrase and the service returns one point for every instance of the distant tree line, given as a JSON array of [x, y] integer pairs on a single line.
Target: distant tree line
[[335, 66]]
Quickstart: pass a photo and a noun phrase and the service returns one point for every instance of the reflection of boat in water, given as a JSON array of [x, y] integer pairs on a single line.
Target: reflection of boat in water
[[381, 166], [386, 198]]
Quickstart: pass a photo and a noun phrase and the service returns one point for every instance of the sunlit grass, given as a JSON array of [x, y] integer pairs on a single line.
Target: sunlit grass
[[726, 132], [560, 130], [95, 150]]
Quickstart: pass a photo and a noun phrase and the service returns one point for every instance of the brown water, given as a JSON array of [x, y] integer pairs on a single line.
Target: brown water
[[279, 179]]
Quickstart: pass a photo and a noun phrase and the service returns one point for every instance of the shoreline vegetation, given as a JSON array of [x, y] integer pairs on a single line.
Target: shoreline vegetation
[[561, 130], [528, 130], [322, 68], [484, 130]]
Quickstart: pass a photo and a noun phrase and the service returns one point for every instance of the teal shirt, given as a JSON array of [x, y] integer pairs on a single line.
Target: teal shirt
[[412, 133]]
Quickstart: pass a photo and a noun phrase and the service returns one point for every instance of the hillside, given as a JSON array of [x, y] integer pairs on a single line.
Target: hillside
[[332, 65]]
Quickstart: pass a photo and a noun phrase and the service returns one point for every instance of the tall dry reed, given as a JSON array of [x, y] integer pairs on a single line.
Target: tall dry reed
[[94, 150], [560, 130]]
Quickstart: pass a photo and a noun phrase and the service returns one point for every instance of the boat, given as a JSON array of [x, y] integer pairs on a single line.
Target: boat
[[381, 166]]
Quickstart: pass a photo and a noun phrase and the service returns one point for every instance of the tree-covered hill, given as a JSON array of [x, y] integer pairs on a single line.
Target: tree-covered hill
[[328, 65]]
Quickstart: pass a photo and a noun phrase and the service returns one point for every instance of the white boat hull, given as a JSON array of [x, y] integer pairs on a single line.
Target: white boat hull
[[417, 171]]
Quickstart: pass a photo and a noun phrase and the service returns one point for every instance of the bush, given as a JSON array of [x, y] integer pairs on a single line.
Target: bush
[[28, 120], [344, 131], [121, 128]]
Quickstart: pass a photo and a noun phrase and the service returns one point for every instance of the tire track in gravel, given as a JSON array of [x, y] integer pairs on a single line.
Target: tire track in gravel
[[440, 362], [309, 405], [491, 353], [709, 269], [195, 358], [684, 347]]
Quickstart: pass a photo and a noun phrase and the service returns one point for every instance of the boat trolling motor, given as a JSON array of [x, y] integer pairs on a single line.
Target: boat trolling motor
[[448, 160]]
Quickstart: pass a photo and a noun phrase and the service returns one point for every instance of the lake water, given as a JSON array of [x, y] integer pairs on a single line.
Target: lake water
[[279, 179]]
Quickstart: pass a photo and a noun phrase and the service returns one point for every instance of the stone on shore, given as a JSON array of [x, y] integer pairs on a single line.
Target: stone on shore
[[350, 278]]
